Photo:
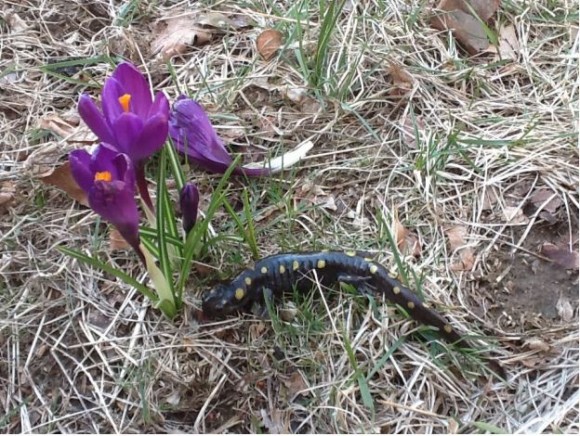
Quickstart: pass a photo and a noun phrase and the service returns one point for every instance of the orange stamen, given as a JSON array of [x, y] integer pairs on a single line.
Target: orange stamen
[[103, 176], [124, 101]]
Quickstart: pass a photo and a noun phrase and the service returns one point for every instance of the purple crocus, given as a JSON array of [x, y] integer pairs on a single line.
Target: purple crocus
[[189, 201], [193, 135], [131, 121], [108, 178]]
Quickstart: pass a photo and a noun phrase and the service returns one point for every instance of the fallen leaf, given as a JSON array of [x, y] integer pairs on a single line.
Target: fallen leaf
[[7, 192], [174, 35], [490, 199], [62, 178], [561, 256], [268, 42], [546, 199], [216, 20], [457, 240], [295, 384], [565, 309], [457, 15], [466, 260], [509, 46], [407, 242], [402, 80], [60, 126], [456, 236], [116, 241], [515, 215], [412, 129], [537, 344]]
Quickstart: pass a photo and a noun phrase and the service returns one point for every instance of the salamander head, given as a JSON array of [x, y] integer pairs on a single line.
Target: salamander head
[[221, 301]]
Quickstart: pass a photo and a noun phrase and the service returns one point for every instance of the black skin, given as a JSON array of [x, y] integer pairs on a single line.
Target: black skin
[[330, 267]]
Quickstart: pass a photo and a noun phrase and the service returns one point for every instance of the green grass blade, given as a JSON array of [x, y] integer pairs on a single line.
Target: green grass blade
[[162, 218], [96, 263]]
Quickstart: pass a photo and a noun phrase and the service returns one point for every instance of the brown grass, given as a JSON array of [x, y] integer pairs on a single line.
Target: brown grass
[[82, 352]]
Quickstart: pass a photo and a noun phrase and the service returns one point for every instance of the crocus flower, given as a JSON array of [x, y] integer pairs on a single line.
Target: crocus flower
[[193, 135], [189, 200], [108, 178], [131, 121]]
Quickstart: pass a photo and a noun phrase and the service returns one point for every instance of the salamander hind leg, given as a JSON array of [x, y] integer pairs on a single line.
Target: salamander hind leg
[[260, 307], [362, 284]]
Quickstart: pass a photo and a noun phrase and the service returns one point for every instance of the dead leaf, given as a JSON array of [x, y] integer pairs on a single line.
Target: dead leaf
[[561, 256], [61, 126], [61, 177], [565, 309], [490, 199], [407, 242], [116, 241], [457, 15], [544, 195], [7, 194], [456, 236], [537, 344], [402, 80], [466, 260], [509, 46], [515, 215], [411, 130], [216, 20], [268, 42], [295, 384], [174, 35]]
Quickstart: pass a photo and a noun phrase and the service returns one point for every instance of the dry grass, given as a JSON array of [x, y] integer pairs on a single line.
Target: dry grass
[[81, 352]]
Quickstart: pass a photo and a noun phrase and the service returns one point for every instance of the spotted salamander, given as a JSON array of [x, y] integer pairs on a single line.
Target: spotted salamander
[[282, 272]]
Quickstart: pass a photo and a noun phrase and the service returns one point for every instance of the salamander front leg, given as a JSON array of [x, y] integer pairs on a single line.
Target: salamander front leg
[[361, 283], [260, 308]]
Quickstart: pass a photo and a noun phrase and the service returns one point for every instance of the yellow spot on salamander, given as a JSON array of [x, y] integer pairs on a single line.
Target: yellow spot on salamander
[[448, 328], [264, 270], [396, 290], [368, 259], [350, 253], [124, 101], [239, 293], [282, 269], [410, 305], [321, 264], [373, 269], [295, 265], [248, 281], [103, 176]]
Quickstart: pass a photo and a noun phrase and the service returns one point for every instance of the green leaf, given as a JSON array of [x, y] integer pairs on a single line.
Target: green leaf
[[166, 299], [96, 263], [489, 428]]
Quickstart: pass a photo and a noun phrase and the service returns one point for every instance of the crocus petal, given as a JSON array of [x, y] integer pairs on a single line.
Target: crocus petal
[[93, 118], [152, 138], [133, 82], [160, 106], [102, 160], [128, 128], [190, 116], [80, 161], [112, 108], [125, 170]]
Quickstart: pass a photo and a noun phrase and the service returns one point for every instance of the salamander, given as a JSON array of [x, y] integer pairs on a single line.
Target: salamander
[[282, 272]]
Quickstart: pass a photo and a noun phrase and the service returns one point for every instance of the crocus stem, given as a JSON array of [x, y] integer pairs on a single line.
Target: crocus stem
[[142, 185], [131, 235]]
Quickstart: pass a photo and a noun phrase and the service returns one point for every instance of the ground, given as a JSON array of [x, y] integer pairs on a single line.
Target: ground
[[463, 166]]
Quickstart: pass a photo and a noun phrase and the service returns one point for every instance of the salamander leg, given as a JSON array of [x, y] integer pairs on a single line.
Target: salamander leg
[[361, 283], [260, 308]]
